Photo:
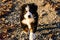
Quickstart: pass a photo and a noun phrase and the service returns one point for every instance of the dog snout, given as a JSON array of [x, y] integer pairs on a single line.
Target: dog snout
[[29, 16]]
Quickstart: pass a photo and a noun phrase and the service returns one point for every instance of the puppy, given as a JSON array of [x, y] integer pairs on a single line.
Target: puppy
[[29, 19]]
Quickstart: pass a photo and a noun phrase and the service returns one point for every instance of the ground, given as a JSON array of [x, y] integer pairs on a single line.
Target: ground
[[48, 23]]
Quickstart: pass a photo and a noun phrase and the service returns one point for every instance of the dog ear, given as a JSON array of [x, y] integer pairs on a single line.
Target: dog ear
[[33, 7], [23, 7]]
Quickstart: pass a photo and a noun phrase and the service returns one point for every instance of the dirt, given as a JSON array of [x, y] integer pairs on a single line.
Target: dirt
[[48, 23]]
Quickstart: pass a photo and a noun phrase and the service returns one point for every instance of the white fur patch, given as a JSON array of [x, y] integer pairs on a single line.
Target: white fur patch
[[27, 8], [32, 36], [28, 22], [28, 13]]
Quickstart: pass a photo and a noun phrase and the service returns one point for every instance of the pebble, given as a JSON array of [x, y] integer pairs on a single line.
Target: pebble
[[12, 36], [50, 39], [6, 21]]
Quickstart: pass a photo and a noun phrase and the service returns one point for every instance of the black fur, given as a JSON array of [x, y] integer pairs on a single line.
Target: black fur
[[33, 10]]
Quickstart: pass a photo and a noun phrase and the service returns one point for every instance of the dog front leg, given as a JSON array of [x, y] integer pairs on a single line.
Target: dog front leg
[[32, 36]]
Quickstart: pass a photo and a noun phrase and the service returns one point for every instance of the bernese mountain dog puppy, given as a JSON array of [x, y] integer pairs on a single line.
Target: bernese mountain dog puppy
[[29, 19]]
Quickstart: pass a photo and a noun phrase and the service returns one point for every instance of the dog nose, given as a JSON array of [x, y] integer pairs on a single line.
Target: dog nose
[[29, 16]]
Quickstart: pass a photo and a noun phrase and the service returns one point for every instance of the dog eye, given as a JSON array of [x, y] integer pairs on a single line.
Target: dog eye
[[25, 11]]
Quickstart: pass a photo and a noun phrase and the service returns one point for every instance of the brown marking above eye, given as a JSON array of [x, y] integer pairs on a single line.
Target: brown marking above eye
[[26, 11]]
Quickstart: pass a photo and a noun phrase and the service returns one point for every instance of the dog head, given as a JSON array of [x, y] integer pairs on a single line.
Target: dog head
[[28, 13]]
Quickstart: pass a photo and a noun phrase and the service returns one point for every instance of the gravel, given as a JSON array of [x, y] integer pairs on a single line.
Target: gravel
[[48, 23]]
